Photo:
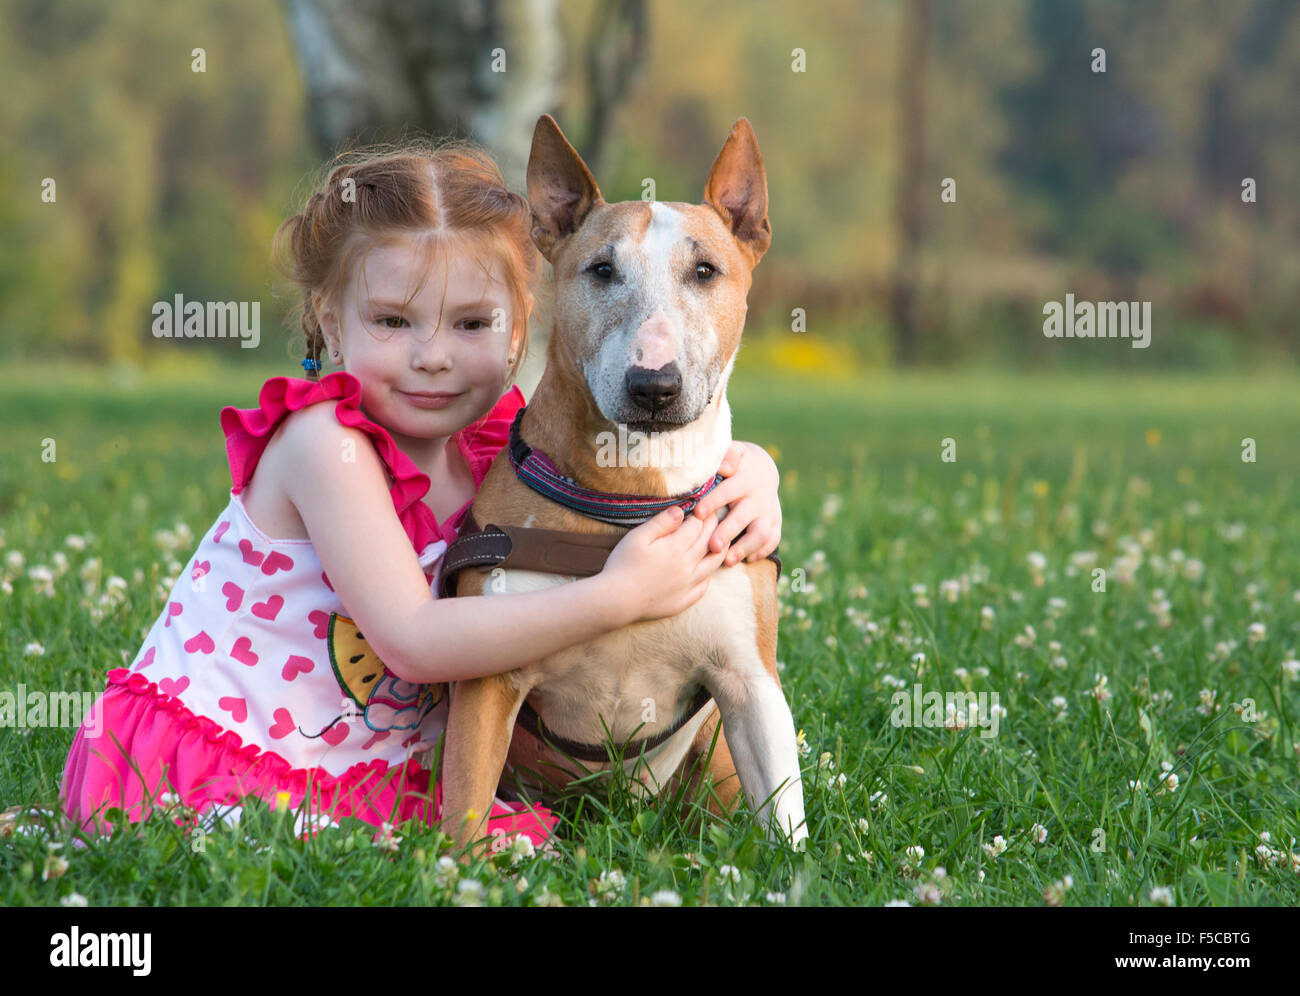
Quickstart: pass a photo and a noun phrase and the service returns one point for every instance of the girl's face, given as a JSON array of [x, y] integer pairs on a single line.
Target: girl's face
[[454, 336]]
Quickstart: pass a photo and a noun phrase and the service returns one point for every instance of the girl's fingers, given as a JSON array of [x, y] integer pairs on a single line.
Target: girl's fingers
[[730, 462], [738, 517], [725, 493], [754, 545]]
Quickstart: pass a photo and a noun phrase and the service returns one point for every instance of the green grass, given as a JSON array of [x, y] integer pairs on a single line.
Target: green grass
[[1147, 475]]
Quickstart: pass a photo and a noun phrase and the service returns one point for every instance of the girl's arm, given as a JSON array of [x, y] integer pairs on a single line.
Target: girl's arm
[[750, 489], [658, 569]]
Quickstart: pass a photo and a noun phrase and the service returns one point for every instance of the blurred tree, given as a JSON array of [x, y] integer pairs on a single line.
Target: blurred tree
[[482, 68]]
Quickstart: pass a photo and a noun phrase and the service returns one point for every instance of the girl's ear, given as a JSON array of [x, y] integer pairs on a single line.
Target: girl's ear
[[329, 323]]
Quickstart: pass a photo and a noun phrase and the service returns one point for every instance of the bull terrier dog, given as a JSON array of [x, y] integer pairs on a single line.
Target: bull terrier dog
[[650, 302]]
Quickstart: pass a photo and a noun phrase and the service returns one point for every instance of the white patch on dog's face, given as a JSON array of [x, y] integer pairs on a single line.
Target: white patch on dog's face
[[652, 310]]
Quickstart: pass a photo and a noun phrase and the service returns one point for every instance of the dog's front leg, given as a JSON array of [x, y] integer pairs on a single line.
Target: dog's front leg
[[760, 733], [480, 722]]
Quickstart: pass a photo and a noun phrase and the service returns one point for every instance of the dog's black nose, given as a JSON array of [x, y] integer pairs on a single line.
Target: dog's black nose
[[654, 390]]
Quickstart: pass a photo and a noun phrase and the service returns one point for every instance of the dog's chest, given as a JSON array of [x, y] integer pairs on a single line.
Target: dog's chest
[[638, 678]]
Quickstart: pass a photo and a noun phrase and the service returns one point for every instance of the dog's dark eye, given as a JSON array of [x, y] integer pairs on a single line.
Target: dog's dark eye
[[603, 270], [704, 271]]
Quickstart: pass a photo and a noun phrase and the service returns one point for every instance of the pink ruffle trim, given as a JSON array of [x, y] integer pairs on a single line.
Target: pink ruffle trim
[[248, 430], [203, 764]]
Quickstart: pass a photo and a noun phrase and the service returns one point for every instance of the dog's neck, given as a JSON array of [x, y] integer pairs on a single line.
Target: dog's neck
[[563, 421]]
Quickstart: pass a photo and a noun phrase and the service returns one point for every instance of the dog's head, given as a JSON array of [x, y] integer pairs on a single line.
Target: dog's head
[[651, 295]]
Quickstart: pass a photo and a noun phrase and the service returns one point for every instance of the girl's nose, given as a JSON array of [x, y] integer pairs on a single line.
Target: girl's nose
[[433, 352]]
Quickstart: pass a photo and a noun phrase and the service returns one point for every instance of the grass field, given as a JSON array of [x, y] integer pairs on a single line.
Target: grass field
[[1147, 745]]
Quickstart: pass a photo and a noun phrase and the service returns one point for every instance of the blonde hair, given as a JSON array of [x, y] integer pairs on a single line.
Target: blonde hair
[[450, 193]]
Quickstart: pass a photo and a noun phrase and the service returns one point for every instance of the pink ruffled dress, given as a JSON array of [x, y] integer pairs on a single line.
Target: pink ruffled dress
[[255, 682]]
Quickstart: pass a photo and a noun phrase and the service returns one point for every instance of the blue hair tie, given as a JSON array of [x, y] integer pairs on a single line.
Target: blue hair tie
[[310, 365]]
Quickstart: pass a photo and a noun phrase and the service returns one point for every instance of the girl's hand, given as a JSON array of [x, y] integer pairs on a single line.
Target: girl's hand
[[750, 489], [662, 567]]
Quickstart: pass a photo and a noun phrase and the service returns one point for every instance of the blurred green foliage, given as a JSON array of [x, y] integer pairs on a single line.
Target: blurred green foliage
[[1122, 185]]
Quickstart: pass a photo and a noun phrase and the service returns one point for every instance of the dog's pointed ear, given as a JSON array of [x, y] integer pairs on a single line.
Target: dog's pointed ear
[[737, 189], [561, 189]]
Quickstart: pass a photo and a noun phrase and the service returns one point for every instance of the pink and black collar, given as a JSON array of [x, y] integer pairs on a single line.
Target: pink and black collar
[[535, 469]]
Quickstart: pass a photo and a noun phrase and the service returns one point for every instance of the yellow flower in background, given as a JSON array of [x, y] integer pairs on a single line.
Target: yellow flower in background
[[1153, 438], [803, 353], [1040, 489], [773, 451], [1186, 475], [282, 800]]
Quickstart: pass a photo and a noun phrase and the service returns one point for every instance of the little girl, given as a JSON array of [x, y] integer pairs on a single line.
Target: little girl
[[303, 652]]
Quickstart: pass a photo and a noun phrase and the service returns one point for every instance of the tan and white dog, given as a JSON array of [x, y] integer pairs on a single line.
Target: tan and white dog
[[650, 302]]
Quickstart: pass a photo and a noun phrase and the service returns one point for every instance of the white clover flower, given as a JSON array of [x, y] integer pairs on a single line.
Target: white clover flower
[[730, 872], [987, 615], [914, 854], [898, 902], [1054, 894], [34, 649], [1099, 691], [961, 674], [954, 719], [802, 744], [55, 867], [547, 898], [1037, 561], [1291, 666], [521, 849], [1162, 895], [75, 899], [1059, 704], [1208, 706], [469, 892], [997, 847], [385, 840], [14, 560], [863, 825], [445, 872], [928, 894], [610, 884], [950, 590], [1027, 638], [776, 898], [75, 542], [826, 761], [1038, 833], [1255, 633], [665, 897]]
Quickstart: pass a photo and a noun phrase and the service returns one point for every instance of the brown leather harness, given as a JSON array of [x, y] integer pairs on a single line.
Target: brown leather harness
[[552, 551]]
